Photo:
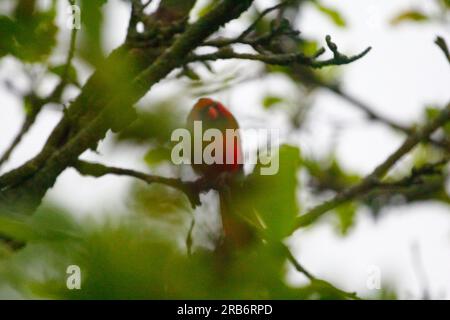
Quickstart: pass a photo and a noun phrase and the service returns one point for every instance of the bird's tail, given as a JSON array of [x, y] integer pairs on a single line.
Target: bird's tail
[[237, 232]]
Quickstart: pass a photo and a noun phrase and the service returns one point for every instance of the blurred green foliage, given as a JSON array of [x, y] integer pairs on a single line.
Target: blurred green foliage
[[141, 253], [72, 74], [92, 30], [28, 34], [335, 16], [130, 258], [278, 207], [417, 15]]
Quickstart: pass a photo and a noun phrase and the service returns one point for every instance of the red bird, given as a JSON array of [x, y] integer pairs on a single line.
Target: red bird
[[214, 115]]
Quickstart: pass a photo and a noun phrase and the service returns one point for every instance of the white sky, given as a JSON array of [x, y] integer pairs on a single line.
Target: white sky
[[403, 72]]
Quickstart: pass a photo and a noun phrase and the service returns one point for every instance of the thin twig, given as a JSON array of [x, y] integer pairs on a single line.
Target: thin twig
[[373, 179], [297, 264], [29, 120], [373, 115], [67, 66], [440, 42], [260, 17], [313, 279]]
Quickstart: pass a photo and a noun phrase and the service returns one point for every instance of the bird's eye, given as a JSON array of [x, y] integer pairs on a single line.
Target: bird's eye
[[212, 113]]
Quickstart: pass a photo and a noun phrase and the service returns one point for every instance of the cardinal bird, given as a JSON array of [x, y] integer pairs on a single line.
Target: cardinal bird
[[214, 115]]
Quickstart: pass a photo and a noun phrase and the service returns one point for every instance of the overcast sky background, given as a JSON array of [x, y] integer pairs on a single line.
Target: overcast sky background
[[404, 72]]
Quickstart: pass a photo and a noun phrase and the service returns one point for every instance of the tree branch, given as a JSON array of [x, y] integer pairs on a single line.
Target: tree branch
[[261, 44], [191, 189], [281, 59], [416, 175], [38, 103], [379, 172], [307, 75]]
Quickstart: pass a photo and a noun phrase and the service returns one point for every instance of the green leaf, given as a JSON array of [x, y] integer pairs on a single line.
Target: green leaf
[[35, 35], [334, 15], [16, 229], [30, 35], [432, 113], [7, 31], [329, 175], [45, 225], [270, 101], [161, 202], [308, 47], [158, 155], [346, 214], [274, 197], [412, 15], [72, 75]]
